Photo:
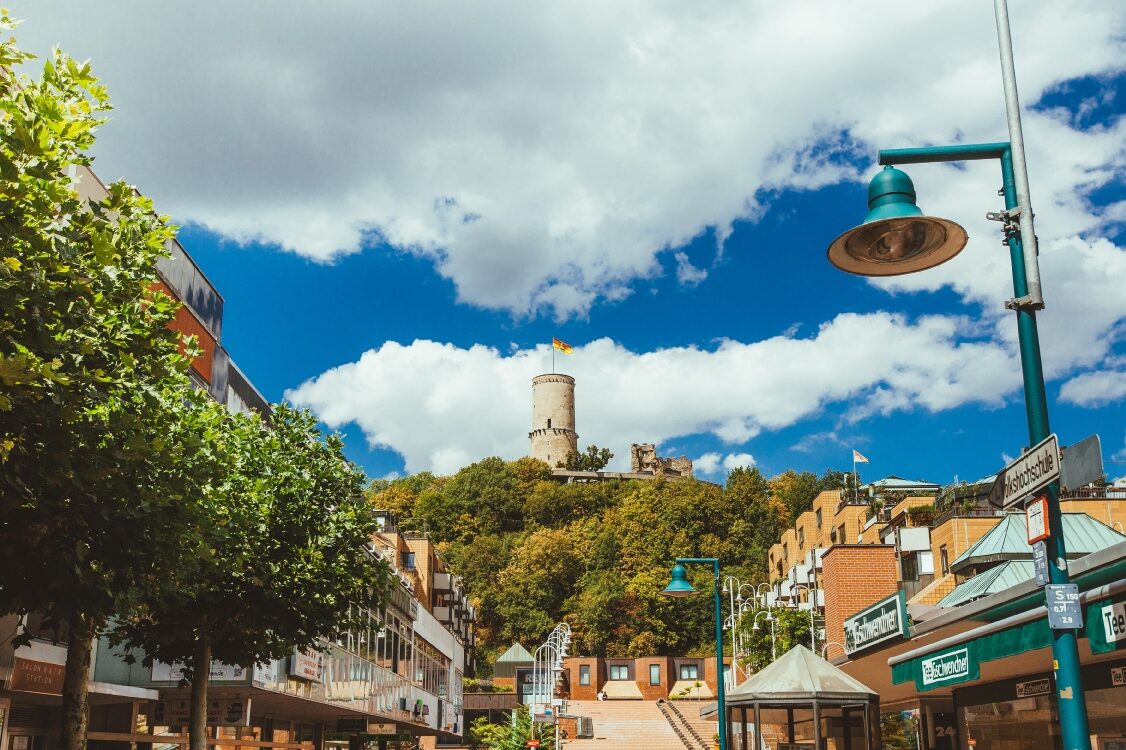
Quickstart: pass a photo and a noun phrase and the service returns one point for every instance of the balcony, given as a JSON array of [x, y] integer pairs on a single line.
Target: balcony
[[958, 511]]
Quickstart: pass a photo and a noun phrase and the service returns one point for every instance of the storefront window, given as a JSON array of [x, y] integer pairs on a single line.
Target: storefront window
[[1027, 717]]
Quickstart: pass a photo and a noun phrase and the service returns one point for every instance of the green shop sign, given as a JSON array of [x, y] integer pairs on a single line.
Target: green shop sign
[[883, 621], [1105, 625], [948, 667], [962, 663]]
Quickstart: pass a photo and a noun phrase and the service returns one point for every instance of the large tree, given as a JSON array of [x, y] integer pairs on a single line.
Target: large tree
[[94, 397], [289, 529]]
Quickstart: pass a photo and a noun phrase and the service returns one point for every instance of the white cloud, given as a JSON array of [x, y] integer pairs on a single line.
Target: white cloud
[[1095, 388], [713, 464], [686, 273], [442, 407], [739, 461], [707, 464], [543, 157]]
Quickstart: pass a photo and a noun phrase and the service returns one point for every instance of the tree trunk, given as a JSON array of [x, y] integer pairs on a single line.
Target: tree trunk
[[201, 672], [76, 682]]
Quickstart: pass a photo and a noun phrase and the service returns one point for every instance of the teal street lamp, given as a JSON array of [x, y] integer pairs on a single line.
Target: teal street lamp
[[680, 587], [897, 237]]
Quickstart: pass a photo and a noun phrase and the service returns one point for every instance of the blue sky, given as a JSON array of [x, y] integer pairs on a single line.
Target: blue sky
[[402, 207]]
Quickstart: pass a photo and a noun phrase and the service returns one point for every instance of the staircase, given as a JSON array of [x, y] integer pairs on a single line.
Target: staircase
[[626, 725], [687, 733], [705, 729]]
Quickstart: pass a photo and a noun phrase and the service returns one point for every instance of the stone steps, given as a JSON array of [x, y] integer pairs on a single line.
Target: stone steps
[[625, 725]]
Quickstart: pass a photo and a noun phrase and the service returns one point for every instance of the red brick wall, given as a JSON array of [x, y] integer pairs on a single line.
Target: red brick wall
[[710, 676], [854, 576], [641, 675], [580, 692]]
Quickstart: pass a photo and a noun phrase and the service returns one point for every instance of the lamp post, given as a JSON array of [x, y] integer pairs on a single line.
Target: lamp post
[[680, 587], [771, 619], [897, 238], [812, 592]]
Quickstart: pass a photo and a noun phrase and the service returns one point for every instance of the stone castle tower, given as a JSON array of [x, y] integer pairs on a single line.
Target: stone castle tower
[[553, 433]]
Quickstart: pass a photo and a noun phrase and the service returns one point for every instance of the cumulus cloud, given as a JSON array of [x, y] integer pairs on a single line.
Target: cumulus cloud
[[1095, 388], [712, 464], [544, 157], [441, 406]]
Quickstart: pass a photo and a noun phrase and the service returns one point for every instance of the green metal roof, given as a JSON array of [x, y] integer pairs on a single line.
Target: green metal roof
[[1007, 574], [892, 482], [1008, 540], [516, 654]]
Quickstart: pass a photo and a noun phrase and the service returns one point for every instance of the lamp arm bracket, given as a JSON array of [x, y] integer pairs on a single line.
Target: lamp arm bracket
[[1010, 221], [1024, 303]]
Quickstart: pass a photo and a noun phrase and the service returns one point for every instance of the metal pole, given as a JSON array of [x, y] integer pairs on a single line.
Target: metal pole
[[731, 598], [722, 702], [1016, 137], [1065, 647]]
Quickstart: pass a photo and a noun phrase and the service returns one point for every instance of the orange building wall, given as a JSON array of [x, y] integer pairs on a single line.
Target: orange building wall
[[1111, 511], [188, 324]]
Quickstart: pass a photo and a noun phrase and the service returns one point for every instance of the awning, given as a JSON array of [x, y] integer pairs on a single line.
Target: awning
[[958, 659], [962, 662], [1104, 623]]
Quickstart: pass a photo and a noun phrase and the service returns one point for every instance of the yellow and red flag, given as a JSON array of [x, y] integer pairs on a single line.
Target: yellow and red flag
[[562, 346]]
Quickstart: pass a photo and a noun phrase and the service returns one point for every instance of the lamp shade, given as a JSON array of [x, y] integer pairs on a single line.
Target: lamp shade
[[896, 237], [679, 585]]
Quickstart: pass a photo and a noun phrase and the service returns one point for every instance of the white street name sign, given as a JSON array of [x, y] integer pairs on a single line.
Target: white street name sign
[[1036, 469]]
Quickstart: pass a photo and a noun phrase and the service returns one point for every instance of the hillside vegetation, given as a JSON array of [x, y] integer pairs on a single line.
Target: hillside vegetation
[[534, 552]]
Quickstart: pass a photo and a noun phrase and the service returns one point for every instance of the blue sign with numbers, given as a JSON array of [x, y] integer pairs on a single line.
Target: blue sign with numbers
[[1040, 563], [1064, 612]]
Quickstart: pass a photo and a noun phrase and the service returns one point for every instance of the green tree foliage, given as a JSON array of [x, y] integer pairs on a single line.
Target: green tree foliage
[[791, 627], [534, 551], [94, 397], [898, 732], [512, 734], [594, 459], [287, 525]]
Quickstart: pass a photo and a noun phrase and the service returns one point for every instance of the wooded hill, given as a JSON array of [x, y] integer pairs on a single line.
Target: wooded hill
[[534, 552]]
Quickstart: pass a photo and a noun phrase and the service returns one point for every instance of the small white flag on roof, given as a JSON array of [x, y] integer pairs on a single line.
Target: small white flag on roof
[[857, 458]]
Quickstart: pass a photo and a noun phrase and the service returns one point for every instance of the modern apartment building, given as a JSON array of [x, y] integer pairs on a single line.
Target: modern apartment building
[[401, 676]]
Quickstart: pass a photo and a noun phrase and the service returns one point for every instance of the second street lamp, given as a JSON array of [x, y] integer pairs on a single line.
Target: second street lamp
[[680, 587]]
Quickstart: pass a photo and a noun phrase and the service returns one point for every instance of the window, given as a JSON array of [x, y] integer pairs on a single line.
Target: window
[[841, 534], [549, 424], [619, 672], [785, 552], [584, 674], [654, 674], [801, 538], [942, 557], [818, 514], [689, 671], [408, 560], [909, 567]]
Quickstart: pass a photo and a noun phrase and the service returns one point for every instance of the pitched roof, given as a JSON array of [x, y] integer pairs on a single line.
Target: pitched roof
[[1008, 540], [892, 482], [1004, 576], [516, 654], [799, 675]]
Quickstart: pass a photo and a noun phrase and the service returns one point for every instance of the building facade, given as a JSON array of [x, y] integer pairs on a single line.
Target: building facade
[[401, 676]]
